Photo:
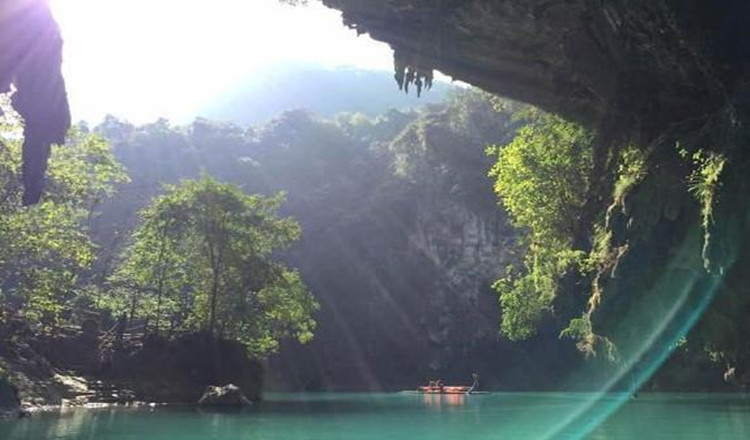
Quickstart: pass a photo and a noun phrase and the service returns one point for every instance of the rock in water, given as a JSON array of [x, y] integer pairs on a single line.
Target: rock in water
[[228, 395]]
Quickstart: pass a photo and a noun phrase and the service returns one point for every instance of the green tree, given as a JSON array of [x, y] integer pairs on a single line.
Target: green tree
[[202, 260], [45, 249]]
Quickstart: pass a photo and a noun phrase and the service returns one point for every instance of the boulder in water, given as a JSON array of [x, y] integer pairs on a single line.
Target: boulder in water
[[228, 395]]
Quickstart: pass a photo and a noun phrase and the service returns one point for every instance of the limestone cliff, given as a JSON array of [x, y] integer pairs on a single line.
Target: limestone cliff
[[404, 274], [668, 77]]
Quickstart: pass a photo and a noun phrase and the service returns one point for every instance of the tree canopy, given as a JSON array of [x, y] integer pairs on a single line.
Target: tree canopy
[[46, 250], [201, 260]]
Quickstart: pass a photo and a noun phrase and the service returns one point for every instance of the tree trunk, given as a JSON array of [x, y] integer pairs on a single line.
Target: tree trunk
[[160, 284], [214, 295]]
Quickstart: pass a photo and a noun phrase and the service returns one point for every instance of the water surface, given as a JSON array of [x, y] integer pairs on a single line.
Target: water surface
[[395, 416]]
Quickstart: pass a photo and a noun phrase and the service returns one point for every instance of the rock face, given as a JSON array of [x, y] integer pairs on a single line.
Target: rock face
[[404, 274], [653, 62], [27, 369], [515, 48], [69, 369], [9, 403], [647, 73], [227, 396], [178, 371]]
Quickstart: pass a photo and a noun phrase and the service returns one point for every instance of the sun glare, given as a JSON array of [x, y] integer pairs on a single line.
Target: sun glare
[[144, 59]]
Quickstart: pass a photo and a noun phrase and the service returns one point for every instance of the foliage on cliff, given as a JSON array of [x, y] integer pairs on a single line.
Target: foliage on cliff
[[663, 251], [541, 179], [657, 78]]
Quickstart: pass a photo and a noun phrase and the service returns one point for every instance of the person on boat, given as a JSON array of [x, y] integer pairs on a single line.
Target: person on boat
[[474, 385]]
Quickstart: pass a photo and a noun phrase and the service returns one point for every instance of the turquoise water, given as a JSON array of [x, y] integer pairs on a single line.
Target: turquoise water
[[514, 416]]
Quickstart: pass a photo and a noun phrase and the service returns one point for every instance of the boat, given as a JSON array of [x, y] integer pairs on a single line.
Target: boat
[[444, 389], [437, 387]]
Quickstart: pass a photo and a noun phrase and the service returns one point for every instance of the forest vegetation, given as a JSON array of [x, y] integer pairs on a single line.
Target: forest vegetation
[[191, 229], [199, 260], [577, 222]]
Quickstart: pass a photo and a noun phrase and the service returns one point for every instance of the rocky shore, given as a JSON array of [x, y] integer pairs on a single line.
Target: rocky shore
[[40, 373]]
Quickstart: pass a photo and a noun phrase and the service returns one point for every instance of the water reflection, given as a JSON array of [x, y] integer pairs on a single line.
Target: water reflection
[[497, 416], [438, 400]]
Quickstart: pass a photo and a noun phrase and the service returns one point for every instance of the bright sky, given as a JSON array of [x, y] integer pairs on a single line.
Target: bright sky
[[143, 59]]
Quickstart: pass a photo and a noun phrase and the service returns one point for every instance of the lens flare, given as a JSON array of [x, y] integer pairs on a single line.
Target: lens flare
[[671, 308]]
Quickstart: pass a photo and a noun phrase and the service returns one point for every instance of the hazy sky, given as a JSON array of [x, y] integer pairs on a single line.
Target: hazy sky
[[142, 59]]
